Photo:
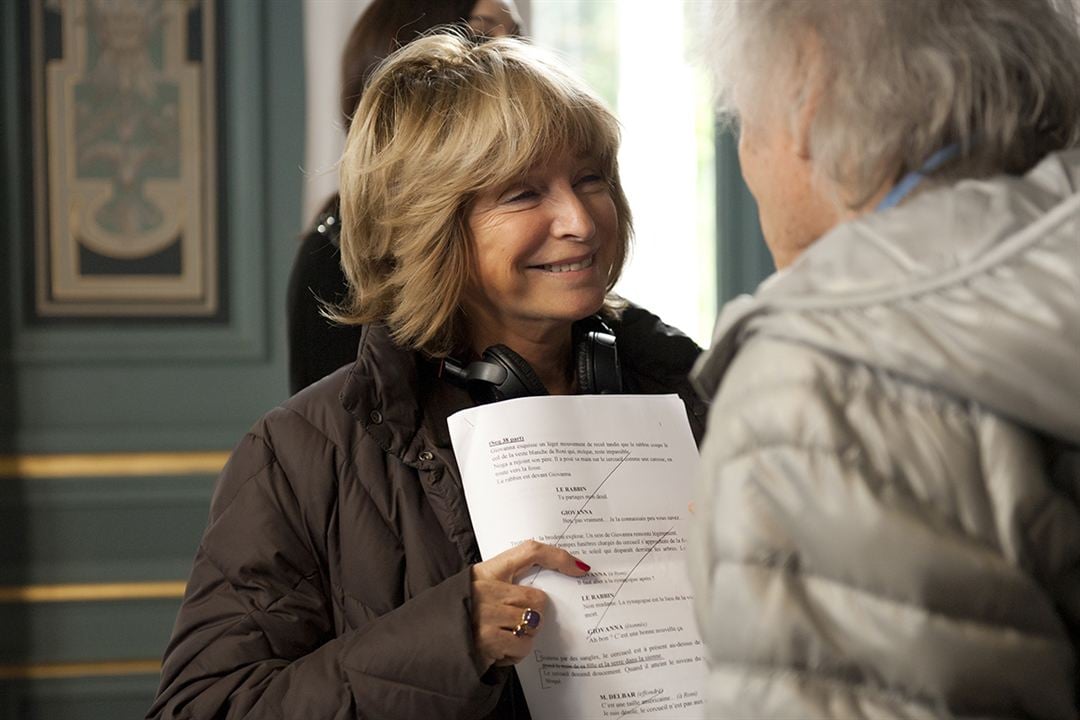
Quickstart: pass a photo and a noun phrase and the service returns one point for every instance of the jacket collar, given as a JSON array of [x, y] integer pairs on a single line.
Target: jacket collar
[[394, 394]]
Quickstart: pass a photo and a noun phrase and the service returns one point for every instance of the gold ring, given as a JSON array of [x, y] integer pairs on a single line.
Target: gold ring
[[521, 630]]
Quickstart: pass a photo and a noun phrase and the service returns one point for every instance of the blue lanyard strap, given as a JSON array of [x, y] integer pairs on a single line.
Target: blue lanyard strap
[[910, 181]]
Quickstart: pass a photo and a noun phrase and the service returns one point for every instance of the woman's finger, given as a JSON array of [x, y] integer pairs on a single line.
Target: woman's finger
[[496, 592], [510, 563], [497, 644]]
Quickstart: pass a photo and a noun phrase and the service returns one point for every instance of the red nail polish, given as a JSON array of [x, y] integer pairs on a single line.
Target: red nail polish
[[583, 566]]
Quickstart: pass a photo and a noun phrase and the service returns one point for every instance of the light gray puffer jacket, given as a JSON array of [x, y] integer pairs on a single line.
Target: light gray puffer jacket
[[889, 516]]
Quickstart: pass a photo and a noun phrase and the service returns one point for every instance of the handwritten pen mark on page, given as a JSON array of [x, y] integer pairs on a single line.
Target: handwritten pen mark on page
[[577, 513], [627, 577], [644, 701]]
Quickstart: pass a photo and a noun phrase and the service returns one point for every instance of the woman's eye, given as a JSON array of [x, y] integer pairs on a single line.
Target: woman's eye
[[590, 179], [519, 195]]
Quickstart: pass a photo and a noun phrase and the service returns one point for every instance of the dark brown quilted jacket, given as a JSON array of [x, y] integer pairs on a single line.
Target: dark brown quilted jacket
[[333, 578]]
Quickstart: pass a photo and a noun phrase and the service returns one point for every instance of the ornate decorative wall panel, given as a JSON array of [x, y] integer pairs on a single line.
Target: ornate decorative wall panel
[[125, 177]]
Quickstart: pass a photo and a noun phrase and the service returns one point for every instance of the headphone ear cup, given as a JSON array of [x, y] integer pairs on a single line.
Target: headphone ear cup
[[598, 368], [521, 380], [586, 370]]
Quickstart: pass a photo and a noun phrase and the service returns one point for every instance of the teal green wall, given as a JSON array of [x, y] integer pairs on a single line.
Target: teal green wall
[[138, 387], [133, 386], [742, 260]]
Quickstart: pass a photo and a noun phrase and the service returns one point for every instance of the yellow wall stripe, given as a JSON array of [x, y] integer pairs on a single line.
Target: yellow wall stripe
[[90, 592], [112, 464], [76, 670]]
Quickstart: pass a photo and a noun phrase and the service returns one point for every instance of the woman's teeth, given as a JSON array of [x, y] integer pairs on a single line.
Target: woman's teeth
[[587, 262]]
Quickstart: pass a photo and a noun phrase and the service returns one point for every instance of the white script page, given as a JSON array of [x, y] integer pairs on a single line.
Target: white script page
[[608, 478]]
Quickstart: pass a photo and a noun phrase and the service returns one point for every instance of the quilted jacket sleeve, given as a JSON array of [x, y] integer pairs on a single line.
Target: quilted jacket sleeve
[[255, 636], [855, 555]]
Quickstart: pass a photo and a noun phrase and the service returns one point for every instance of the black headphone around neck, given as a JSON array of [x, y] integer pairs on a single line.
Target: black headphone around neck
[[502, 374]]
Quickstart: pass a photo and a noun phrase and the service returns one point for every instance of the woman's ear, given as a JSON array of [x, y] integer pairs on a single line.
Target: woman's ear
[[804, 123], [808, 95]]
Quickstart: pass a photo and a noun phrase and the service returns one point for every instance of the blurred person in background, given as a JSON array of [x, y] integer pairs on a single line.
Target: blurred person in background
[[318, 346], [888, 524], [483, 227]]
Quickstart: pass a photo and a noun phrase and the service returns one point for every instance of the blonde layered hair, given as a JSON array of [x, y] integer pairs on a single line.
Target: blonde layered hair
[[443, 119]]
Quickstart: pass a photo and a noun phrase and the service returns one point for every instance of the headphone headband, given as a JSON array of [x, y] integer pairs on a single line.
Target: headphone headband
[[502, 374]]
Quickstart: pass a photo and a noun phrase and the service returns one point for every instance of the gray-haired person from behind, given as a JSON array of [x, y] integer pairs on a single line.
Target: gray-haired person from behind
[[889, 516]]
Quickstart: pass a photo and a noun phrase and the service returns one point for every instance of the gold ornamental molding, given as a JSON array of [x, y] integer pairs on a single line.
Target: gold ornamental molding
[[92, 592], [143, 464], [51, 671]]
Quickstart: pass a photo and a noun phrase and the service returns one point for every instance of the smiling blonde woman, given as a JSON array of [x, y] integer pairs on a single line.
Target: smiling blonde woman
[[483, 229]]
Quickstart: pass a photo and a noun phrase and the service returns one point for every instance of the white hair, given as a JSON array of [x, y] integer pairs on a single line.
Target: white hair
[[902, 79]]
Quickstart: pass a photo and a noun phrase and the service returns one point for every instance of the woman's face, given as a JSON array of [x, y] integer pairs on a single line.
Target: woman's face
[[792, 212], [495, 18], [543, 247], [774, 154]]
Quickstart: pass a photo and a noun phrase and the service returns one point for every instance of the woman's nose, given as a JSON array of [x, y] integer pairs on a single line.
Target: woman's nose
[[573, 220]]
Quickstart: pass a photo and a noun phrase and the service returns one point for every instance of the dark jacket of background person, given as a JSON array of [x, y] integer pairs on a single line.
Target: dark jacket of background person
[[317, 346], [333, 578], [892, 519]]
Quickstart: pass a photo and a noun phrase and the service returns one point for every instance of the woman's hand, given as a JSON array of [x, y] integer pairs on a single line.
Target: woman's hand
[[499, 605]]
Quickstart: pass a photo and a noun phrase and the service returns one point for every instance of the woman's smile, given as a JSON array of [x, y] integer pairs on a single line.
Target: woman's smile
[[566, 267]]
